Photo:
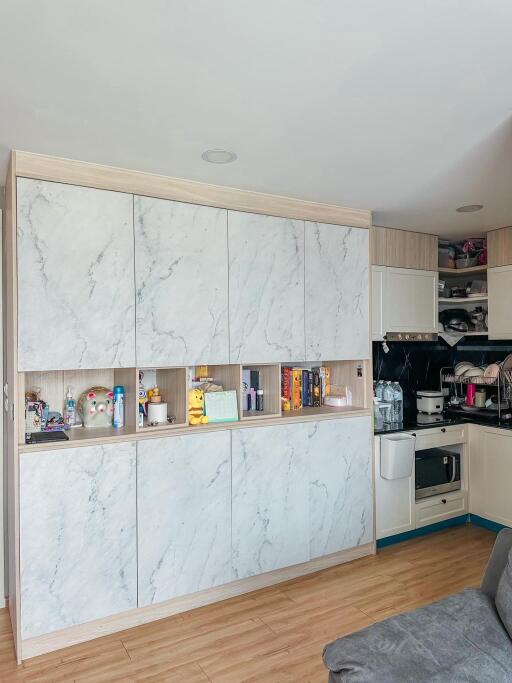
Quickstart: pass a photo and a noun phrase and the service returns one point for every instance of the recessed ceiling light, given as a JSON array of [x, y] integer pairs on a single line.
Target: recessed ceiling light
[[219, 156], [470, 208]]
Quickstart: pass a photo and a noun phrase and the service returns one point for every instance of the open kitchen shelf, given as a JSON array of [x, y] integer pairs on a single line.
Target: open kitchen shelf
[[460, 272], [462, 299]]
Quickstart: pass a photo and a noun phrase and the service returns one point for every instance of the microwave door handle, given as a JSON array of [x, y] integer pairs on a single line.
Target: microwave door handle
[[454, 468]]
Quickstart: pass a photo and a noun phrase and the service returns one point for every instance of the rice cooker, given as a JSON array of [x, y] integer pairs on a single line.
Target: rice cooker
[[430, 402]]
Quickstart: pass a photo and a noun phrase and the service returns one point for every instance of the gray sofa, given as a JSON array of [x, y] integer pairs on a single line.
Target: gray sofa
[[464, 638]]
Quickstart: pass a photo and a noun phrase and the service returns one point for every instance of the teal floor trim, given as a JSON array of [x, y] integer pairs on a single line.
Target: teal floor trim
[[398, 538], [486, 523]]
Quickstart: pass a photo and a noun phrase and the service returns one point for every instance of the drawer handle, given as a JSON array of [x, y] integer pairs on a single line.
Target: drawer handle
[[443, 429], [443, 501]]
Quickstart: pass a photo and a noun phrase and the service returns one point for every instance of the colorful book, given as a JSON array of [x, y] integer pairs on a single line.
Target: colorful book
[[296, 388], [246, 385], [286, 388], [305, 388], [317, 389]]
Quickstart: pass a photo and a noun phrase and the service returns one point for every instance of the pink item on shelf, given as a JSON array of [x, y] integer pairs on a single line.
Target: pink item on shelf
[[470, 394]]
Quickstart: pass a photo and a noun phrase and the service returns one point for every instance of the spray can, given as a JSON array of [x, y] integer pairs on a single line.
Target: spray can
[[118, 406]]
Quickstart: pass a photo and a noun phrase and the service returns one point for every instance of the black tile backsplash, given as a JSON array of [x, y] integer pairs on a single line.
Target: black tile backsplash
[[418, 365]]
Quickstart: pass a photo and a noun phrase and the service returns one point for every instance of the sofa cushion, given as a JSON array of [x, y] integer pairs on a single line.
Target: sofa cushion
[[504, 596], [458, 639]]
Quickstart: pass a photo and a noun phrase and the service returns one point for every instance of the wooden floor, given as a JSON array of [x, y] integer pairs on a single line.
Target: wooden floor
[[274, 635]]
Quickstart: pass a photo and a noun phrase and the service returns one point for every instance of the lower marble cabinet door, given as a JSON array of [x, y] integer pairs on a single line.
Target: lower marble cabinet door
[[340, 484], [184, 514], [270, 498], [77, 536]]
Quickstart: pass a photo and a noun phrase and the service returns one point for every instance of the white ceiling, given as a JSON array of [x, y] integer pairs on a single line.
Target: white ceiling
[[399, 106]]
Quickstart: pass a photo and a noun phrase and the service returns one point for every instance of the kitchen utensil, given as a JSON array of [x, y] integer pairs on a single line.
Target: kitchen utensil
[[461, 368], [492, 372], [473, 372]]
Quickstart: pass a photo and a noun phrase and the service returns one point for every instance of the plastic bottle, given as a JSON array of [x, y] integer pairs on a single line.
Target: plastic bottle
[[398, 399], [388, 396], [70, 409], [379, 390], [118, 406]]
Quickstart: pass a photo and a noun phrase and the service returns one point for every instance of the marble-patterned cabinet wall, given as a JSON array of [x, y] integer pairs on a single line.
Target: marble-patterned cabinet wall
[[76, 292], [337, 315], [184, 515], [340, 485], [270, 498], [181, 272], [78, 547], [266, 288]]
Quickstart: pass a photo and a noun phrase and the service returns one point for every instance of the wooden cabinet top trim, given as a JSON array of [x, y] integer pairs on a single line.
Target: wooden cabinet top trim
[[42, 167], [403, 249]]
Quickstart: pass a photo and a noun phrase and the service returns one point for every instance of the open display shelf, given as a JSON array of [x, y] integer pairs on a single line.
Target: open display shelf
[[174, 383], [460, 272]]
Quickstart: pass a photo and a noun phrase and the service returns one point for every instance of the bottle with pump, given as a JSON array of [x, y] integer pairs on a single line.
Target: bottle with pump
[[69, 409]]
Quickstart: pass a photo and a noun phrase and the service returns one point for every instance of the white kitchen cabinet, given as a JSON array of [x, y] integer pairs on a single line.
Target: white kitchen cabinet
[[405, 301], [394, 501], [181, 274], [78, 539], [183, 515], [499, 283], [378, 331], [340, 485], [337, 292], [491, 474], [76, 291], [270, 491], [266, 288]]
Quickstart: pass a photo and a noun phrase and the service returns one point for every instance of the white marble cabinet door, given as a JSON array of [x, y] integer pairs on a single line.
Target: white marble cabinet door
[[340, 484], [337, 292], [181, 273], [184, 514], [270, 498], [266, 288], [76, 289], [78, 551]]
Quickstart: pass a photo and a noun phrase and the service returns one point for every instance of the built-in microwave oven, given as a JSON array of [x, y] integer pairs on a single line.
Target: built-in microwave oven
[[437, 471]]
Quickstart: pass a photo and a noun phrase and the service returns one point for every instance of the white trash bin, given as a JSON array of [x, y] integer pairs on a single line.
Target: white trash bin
[[396, 455]]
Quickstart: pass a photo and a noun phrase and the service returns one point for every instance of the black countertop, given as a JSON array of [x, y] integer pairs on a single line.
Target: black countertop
[[412, 425]]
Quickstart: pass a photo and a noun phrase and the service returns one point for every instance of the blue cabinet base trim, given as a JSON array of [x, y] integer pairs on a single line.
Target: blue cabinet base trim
[[389, 540], [486, 523], [463, 519]]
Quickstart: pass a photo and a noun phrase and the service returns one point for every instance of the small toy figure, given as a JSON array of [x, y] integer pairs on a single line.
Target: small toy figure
[[196, 414], [96, 407]]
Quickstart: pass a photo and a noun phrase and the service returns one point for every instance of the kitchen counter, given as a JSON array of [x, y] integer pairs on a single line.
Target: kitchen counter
[[411, 425]]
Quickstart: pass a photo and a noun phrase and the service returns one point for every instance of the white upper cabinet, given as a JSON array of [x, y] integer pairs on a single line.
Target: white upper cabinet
[[409, 300], [181, 273], [378, 275], [499, 282], [266, 288], [76, 294], [336, 292]]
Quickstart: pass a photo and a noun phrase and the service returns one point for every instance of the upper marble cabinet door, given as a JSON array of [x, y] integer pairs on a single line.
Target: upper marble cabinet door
[[76, 292], [270, 498], [266, 288], [78, 541], [337, 292], [181, 273], [184, 514], [340, 484]]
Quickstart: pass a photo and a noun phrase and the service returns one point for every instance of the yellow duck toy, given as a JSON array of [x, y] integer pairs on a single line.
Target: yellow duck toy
[[196, 414]]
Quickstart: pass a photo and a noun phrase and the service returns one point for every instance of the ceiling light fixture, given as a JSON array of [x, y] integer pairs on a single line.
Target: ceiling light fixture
[[470, 208], [219, 156]]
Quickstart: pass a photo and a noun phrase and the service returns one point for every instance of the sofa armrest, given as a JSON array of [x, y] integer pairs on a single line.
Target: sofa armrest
[[497, 562]]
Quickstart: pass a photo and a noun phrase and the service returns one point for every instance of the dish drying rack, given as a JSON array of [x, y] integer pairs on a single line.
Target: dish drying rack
[[503, 384]]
